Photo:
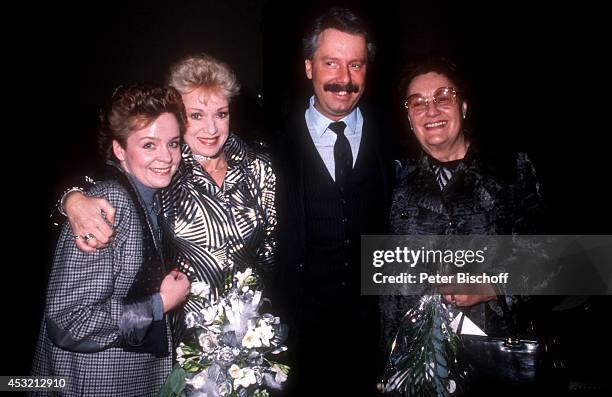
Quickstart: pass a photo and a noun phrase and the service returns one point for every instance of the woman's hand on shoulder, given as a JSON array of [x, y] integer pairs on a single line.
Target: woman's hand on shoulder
[[89, 219]]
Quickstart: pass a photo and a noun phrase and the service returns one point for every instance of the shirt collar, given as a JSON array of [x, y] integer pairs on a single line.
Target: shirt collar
[[146, 193], [318, 123]]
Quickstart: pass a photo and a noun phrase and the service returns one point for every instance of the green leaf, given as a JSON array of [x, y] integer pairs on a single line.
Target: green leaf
[[189, 350], [174, 384], [192, 366]]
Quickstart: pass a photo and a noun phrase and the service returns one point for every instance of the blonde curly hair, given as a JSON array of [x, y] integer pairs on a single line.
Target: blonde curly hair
[[203, 71]]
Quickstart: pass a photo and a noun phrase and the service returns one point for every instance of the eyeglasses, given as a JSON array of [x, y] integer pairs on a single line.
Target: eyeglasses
[[443, 97]]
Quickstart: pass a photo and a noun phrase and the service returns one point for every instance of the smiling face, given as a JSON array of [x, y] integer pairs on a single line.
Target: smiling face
[[207, 121], [338, 71], [152, 154], [437, 127]]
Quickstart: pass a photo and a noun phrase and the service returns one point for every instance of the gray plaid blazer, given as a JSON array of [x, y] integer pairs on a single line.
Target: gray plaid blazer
[[86, 299]]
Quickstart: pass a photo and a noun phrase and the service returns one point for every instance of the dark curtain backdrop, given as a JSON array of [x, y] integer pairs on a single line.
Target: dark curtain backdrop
[[534, 70]]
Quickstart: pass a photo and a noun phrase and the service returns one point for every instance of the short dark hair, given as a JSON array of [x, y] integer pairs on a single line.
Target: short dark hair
[[341, 19], [433, 63], [134, 107]]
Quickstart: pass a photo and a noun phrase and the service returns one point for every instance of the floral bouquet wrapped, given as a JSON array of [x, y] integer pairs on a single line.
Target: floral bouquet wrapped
[[423, 360], [230, 344]]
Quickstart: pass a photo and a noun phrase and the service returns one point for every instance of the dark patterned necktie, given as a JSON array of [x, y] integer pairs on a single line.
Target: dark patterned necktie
[[343, 157]]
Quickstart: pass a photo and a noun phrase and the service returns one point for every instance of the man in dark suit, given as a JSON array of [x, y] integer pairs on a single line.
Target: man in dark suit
[[333, 188]]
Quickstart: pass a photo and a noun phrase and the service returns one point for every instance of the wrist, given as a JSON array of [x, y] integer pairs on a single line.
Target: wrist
[[66, 196], [164, 302]]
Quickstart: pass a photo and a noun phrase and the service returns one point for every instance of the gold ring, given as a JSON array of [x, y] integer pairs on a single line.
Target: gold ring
[[88, 237]]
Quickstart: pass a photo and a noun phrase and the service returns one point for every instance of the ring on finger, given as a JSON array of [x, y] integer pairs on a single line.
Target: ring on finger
[[88, 237]]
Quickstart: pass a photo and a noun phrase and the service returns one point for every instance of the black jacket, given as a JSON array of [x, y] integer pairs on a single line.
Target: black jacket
[[320, 281], [497, 195]]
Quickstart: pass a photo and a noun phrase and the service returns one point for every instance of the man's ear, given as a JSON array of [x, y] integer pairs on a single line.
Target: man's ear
[[118, 150], [464, 108], [308, 68]]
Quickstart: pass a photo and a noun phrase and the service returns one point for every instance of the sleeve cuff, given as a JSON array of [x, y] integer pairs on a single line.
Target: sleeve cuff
[[135, 321]]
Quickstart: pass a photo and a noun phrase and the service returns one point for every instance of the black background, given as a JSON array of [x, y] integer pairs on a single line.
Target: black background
[[537, 72]]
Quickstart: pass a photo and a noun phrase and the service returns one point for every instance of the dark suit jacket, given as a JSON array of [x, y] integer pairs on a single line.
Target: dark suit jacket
[[289, 153], [338, 319]]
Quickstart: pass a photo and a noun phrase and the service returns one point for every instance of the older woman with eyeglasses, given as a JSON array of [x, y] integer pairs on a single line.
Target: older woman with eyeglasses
[[452, 188]]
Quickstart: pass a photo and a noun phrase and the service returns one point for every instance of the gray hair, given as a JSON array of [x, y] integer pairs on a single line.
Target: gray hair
[[341, 19]]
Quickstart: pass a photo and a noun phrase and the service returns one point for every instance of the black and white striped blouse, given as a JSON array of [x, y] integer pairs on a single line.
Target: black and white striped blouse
[[217, 230]]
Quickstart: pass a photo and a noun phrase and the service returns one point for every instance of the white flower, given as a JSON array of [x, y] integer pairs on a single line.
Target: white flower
[[200, 288], [280, 375], [242, 376], [265, 332], [242, 276], [180, 355], [246, 378], [234, 371], [211, 313], [251, 339], [207, 341]]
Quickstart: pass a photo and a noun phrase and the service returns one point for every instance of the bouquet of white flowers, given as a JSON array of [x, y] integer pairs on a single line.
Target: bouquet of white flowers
[[228, 352]]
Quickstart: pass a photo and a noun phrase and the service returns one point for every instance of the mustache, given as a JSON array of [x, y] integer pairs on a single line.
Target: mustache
[[335, 87]]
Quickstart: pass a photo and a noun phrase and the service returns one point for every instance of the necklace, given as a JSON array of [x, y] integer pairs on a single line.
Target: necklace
[[201, 159]]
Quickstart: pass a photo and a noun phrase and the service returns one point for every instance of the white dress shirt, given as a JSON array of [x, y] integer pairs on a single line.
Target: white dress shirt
[[324, 138]]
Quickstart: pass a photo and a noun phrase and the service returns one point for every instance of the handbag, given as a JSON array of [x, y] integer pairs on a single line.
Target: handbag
[[510, 361]]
